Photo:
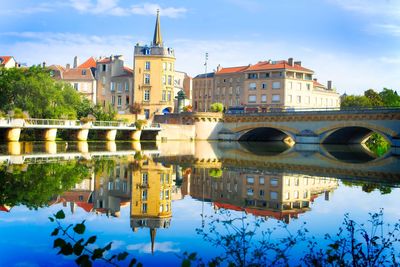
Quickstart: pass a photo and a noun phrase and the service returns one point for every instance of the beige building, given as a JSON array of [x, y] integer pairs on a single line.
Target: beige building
[[8, 62], [81, 77], [114, 84], [182, 82], [203, 89], [154, 70], [265, 86]]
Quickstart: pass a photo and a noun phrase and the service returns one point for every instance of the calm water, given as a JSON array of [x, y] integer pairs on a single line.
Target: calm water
[[159, 200]]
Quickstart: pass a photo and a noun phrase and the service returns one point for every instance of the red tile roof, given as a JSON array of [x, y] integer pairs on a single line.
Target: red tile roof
[[89, 63], [227, 206], [5, 208], [232, 70], [105, 60], [275, 65], [5, 59], [77, 74], [317, 84], [88, 207]]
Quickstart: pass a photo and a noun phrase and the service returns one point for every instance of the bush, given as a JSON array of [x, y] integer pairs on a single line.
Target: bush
[[139, 124], [217, 107]]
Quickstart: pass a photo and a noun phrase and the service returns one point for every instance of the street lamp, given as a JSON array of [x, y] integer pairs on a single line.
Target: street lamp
[[205, 93]]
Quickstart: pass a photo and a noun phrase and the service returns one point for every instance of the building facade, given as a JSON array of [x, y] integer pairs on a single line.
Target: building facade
[[7, 62], [154, 76], [203, 89], [114, 84], [182, 82], [266, 86]]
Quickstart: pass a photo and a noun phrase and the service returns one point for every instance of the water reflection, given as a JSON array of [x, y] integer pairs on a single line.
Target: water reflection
[[267, 181]]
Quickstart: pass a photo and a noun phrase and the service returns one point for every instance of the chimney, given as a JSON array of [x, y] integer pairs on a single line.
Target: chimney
[[329, 85], [68, 66], [297, 63], [219, 67], [290, 61], [44, 64], [76, 61], [315, 80]]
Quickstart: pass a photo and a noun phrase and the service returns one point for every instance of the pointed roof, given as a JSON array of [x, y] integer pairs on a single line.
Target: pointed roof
[[89, 63], [157, 39], [153, 232]]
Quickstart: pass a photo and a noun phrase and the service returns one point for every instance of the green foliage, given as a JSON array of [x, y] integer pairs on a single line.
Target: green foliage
[[38, 184], [378, 144], [86, 252], [374, 98], [139, 124], [217, 107], [386, 98], [352, 101], [216, 173], [34, 91], [390, 98]]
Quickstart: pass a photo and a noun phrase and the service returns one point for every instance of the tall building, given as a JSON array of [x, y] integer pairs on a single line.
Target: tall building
[[203, 89], [114, 84], [154, 76], [267, 85]]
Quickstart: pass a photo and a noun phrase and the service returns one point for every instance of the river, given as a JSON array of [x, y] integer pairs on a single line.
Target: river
[[239, 203]]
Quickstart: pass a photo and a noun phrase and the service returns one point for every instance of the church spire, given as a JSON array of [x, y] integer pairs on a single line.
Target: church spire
[[157, 40]]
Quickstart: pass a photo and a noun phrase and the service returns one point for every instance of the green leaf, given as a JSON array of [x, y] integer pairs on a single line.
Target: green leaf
[[80, 228], [55, 232], [122, 256], [185, 263], [78, 248], [60, 215], [83, 261], [108, 247], [97, 253], [51, 219], [66, 250], [91, 240], [192, 256], [132, 263], [59, 242]]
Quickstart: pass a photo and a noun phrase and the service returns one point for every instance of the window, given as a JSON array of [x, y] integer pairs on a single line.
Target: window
[[164, 95], [161, 208], [146, 96], [76, 86], [112, 87], [287, 195], [167, 194], [237, 90], [104, 67], [252, 86], [170, 66], [113, 100], [261, 180], [296, 194], [276, 85], [126, 87], [262, 193], [250, 191], [119, 86], [287, 181], [161, 195], [263, 86], [169, 80], [299, 86], [250, 179], [144, 195], [119, 101], [290, 85], [298, 99], [273, 195], [276, 98], [147, 78], [308, 86], [252, 76], [169, 95], [145, 177], [83, 72], [263, 98], [144, 208], [147, 65], [127, 100], [252, 98], [273, 182], [164, 79], [164, 65]]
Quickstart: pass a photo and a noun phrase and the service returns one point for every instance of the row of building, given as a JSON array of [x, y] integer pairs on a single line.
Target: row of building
[[153, 85]]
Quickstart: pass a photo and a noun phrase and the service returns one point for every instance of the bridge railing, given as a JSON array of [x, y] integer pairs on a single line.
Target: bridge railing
[[152, 126], [55, 122], [109, 124]]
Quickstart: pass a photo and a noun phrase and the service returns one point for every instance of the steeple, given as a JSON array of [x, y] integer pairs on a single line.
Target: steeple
[[157, 40]]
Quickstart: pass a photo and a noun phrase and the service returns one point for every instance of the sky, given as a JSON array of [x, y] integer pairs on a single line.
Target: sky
[[354, 43]]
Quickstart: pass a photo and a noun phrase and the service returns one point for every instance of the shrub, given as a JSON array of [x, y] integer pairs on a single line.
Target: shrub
[[217, 107], [139, 124]]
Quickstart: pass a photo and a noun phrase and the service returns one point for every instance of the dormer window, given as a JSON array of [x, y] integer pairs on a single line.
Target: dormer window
[[83, 72]]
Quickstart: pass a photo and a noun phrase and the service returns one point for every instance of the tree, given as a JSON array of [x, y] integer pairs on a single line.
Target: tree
[[390, 98], [355, 101], [374, 98], [217, 107]]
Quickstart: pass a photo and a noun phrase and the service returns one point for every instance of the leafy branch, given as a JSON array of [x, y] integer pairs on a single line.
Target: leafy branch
[[86, 251]]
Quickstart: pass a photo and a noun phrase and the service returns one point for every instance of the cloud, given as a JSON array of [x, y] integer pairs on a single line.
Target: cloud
[[371, 7], [161, 247], [111, 7], [391, 29]]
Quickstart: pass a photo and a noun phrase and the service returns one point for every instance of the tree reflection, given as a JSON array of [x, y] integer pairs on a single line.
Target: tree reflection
[[35, 185]]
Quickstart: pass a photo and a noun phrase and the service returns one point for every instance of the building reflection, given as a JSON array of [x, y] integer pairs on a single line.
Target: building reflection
[[277, 195], [151, 197]]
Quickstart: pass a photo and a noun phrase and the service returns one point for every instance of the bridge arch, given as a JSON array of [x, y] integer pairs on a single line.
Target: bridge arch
[[264, 132], [353, 133]]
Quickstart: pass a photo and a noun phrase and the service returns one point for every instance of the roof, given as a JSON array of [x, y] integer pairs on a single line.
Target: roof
[[57, 67], [88, 207], [275, 65], [205, 75], [5, 208], [78, 74], [4, 59], [232, 70], [104, 60], [89, 63], [317, 84]]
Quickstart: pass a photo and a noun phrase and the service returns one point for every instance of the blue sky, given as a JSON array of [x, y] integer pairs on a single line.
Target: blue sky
[[355, 43]]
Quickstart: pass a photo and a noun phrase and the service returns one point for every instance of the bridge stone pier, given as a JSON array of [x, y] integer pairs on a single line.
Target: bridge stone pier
[[314, 127]]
